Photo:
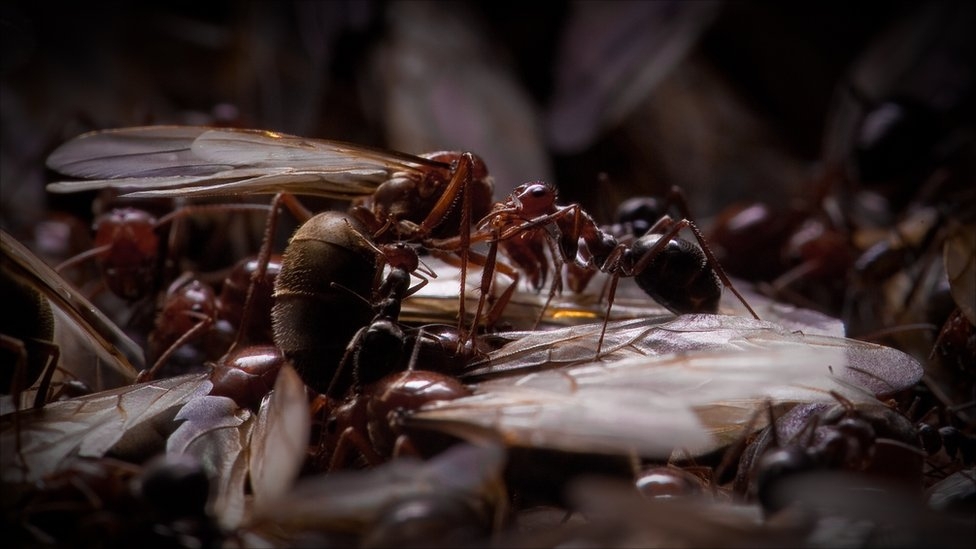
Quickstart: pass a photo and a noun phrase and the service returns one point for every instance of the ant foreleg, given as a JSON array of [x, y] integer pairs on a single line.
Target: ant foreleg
[[350, 439], [302, 214], [460, 184]]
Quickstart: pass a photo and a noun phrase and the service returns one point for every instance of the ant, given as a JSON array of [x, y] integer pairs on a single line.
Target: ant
[[682, 276], [365, 420], [127, 246], [192, 311], [433, 200], [875, 439]]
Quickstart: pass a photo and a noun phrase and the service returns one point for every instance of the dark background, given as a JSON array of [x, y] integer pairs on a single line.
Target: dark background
[[728, 100]]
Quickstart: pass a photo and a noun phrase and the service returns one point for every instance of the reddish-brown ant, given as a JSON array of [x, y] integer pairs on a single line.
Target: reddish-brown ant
[[247, 374], [874, 439], [433, 200], [366, 423], [127, 246], [396, 196], [372, 385], [680, 275], [193, 312], [366, 419]]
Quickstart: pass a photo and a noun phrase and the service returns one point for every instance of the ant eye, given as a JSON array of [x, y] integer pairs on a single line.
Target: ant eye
[[539, 191]]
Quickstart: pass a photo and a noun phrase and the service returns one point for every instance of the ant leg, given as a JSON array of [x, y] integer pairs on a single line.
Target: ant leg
[[404, 446], [489, 265], [718, 266], [557, 281], [487, 276], [350, 440], [733, 454], [460, 183], [204, 324], [54, 354], [302, 214], [612, 266], [18, 381], [346, 357], [676, 197], [416, 287], [83, 256], [498, 307], [424, 274]]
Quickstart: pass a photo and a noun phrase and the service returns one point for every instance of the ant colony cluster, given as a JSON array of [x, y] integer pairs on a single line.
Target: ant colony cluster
[[275, 340]]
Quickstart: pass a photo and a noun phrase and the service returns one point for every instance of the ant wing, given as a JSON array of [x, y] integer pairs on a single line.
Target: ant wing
[[36, 442], [280, 438], [80, 330], [876, 368], [203, 161], [879, 369], [437, 302], [691, 384], [268, 447], [650, 405], [217, 431]]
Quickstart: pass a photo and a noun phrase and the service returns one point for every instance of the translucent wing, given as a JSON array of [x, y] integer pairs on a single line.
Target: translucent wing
[[132, 418], [280, 438], [93, 348], [690, 384], [203, 161], [881, 370], [217, 431]]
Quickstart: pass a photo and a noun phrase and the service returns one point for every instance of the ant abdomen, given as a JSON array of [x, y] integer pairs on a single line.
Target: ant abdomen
[[319, 307], [678, 277]]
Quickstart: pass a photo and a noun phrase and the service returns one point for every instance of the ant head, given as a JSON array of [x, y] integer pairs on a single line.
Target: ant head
[[400, 256], [535, 198]]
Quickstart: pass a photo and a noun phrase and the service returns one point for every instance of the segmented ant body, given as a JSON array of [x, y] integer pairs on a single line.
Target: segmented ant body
[[395, 196], [329, 266], [433, 200], [682, 276], [873, 439], [373, 380], [365, 426], [247, 374]]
